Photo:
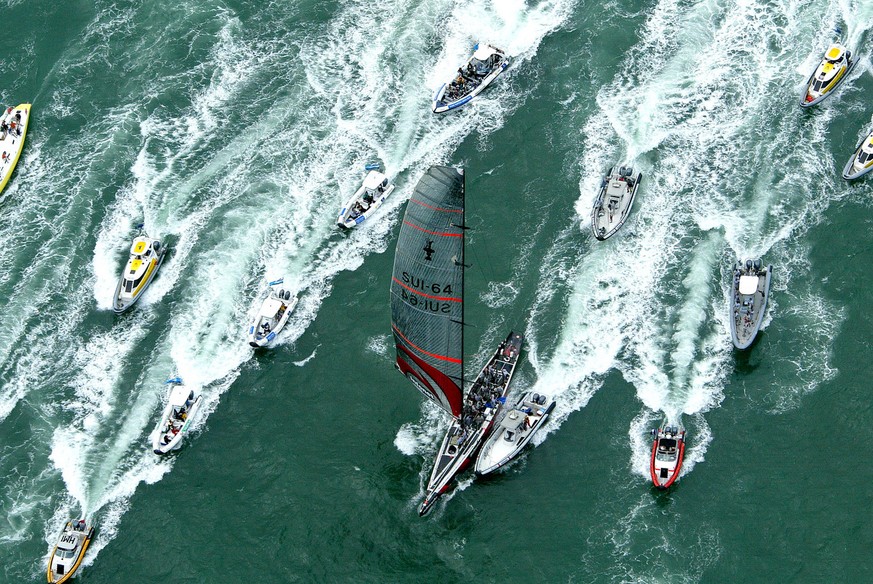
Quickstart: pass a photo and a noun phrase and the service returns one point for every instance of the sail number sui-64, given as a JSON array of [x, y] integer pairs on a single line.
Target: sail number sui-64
[[428, 291]]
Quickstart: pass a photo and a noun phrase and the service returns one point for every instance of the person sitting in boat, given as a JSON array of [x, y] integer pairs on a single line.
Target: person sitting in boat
[[266, 327]]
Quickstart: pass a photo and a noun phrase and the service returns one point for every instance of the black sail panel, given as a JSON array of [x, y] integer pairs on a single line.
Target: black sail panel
[[427, 288]]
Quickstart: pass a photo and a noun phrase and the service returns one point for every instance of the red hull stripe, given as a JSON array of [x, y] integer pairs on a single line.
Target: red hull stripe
[[442, 233], [450, 390], [420, 293], [423, 204], [420, 350]]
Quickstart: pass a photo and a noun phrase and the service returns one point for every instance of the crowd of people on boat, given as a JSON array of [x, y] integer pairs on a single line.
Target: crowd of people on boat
[[13, 126], [484, 394], [467, 80]]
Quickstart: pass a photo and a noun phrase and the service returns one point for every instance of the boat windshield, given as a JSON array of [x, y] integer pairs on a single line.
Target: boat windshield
[[66, 554], [667, 446], [864, 157], [481, 67]]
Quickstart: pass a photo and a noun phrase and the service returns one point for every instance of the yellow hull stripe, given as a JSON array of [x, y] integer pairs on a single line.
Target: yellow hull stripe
[[834, 81], [25, 107], [145, 278], [75, 567]]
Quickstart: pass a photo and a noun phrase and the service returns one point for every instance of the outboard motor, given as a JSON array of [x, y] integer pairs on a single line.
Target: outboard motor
[[287, 294], [757, 264], [535, 398], [157, 245], [542, 400], [281, 293], [748, 264]]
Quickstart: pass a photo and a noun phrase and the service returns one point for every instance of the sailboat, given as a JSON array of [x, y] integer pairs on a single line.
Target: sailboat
[[427, 319]]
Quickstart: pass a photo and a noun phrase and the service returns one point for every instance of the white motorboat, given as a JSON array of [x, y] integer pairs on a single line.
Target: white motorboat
[[862, 160], [833, 70], [749, 295], [514, 432], [67, 554], [146, 256], [176, 420], [480, 70], [272, 316], [614, 201], [13, 129], [366, 200]]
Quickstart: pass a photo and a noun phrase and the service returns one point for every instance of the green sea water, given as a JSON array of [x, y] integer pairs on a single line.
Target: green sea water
[[235, 131]]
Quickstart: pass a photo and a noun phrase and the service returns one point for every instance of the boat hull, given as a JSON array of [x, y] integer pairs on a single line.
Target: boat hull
[[16, 145], [491, 458], [455, 456], [162, 448], [744, 334], [603, 226], [660, 481], [257, 340], [803, 98], [850, 171], [121, 305], [52, 575], [346, 222], [440, 106]]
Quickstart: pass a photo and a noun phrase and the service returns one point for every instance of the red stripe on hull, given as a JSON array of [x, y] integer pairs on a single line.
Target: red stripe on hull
[[449, 388]]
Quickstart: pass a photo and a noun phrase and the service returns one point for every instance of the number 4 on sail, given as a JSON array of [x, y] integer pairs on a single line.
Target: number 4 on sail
[[427, 318]]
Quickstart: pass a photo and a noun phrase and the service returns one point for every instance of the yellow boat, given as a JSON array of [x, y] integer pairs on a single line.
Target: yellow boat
[[833, 70], [13, 129], [146, 256], [69, 551]]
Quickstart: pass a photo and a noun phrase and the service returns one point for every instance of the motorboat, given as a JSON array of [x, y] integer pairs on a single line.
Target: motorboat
[[146, 256], [468, 432], [614, 201], [181, 408], [668, 451], [272, 316], [13, 130], [67, 554], [480, 70], [833, 70], [749, 294], [366, 200], [514, 432], [862, 160]]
